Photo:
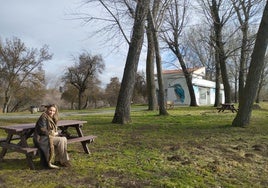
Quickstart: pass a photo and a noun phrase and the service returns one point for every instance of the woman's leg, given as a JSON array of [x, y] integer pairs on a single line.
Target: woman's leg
[[52, 153], [61, 154]]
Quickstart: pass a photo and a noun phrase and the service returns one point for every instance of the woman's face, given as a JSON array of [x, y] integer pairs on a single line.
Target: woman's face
[[51, 111]]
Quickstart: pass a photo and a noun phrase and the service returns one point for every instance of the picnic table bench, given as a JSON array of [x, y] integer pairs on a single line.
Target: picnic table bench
[[227, 106], [18, 134]]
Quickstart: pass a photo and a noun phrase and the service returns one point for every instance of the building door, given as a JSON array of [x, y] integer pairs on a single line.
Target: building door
[[202, 96]]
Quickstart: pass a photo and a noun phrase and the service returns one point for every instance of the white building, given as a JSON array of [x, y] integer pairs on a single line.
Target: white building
[[176, 89]]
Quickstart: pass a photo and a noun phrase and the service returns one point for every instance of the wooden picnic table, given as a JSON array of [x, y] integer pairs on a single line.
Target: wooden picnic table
[[18, 134], [227, 106]]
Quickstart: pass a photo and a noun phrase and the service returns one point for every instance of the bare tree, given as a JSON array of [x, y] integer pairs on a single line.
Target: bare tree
[[245, 10], [20, 66], [234, 68], [86, 68], [256, 65], [172, 31], [161, 93], [122, 112], [218, 13], [121, 14], [115, 20], [199, 51], [151, 89], [202, 49]]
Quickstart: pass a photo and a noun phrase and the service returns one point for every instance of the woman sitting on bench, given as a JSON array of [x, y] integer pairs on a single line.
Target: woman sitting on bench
[[46, 138]]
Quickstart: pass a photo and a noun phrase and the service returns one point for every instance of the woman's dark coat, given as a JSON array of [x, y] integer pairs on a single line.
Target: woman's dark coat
[[43, 127]]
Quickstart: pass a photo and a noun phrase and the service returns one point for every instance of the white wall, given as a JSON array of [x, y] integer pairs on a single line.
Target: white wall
[[204, 89]]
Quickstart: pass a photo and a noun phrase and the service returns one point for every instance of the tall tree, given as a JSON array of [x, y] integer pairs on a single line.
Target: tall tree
[[218, 13], [20, 65], [151, 89], [122, 112], [172, 31], [116, 25], [245, 10], [86, 68], [256, 65], [218, 23], [161, 92]]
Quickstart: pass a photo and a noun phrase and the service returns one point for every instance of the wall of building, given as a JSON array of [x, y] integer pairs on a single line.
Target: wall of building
[[176, 90]]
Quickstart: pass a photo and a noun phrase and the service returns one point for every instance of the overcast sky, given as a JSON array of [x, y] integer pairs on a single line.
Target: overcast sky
[[38, 22]]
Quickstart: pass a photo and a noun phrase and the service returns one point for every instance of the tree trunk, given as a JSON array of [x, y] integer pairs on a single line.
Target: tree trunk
[[72, 105], [151, 92], [235, 89], [219, 49], [79, 99], [257, 100], [188, 78], [7, 101], [262, 82], [161, 92], [217, 82], [256, 65], [243, 11], [242, 69], [122, 112], [224, 76]]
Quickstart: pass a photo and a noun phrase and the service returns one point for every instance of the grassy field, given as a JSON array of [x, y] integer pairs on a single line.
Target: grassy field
[[192, 147]]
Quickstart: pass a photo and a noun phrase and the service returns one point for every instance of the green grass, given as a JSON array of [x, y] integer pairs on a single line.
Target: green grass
[[192, 147]]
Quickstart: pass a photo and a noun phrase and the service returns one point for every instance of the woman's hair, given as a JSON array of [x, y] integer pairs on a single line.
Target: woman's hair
[[56, 115]]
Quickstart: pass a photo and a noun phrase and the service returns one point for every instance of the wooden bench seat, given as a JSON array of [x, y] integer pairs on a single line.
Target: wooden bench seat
[[86, 139], [15, 137], [15, 147], [34, 150]]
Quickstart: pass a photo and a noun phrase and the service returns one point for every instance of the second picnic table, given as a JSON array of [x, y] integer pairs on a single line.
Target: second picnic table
[[21, 133], [227, 106]]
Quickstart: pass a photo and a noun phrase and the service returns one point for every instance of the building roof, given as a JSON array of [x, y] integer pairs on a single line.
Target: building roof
[[197, 72], [180, 70]]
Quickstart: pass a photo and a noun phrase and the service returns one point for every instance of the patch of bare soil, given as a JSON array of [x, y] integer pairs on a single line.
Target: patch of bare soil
[[223, 159], [123, 180], [178, 158], [2, 182]]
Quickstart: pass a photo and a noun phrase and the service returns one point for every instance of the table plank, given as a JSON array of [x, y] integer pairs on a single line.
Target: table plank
[[22, 127], [18, 148], [87, 139]]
